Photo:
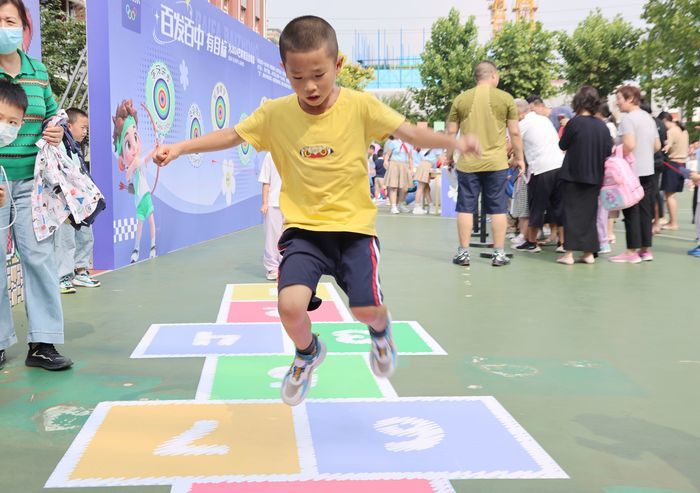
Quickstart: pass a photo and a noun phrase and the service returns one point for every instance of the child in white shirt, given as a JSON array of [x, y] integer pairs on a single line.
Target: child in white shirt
[[271, 186]]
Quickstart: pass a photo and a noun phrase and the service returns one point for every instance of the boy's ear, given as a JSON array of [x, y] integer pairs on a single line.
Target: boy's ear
[[340, 62]]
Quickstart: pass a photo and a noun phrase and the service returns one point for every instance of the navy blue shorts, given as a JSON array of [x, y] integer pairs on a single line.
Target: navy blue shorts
[[493, 185], [672, 181], [351, 258]]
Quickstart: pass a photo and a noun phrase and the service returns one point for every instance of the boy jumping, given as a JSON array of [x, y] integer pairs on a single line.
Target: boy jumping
[[318, 138]]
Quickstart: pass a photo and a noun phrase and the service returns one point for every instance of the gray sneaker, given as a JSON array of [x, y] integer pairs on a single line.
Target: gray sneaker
[[499, 259], [461, 258], [382, 355], [297, 382]]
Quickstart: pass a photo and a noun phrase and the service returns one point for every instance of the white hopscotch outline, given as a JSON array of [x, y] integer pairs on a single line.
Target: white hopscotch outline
[[206, 380], [437, 485], [228, 299], [287, 344], [60, 476], [147, 340]]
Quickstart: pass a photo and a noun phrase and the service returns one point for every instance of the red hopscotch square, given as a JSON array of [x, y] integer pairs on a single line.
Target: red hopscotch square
[[266, 311], [376, 486]]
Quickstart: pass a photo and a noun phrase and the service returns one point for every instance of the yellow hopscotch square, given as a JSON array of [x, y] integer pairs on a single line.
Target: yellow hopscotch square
[[146, 441], [268, 292]]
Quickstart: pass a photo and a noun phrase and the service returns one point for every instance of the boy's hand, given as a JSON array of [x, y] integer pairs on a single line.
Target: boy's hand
[[2, 196], [695, 177], [264, 208], [53, 135], [165, 154], [468, 144]]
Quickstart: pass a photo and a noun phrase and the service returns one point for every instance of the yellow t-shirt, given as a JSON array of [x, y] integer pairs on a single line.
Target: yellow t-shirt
[[322, 159], [484, 111]]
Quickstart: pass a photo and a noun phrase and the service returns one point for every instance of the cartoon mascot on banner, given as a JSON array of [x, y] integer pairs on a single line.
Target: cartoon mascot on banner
[[127, 145]]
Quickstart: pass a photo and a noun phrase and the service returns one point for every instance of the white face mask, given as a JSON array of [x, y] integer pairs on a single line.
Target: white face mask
[[8, 133]]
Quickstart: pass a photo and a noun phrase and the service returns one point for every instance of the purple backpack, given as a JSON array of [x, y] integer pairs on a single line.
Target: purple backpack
[[621, 187]]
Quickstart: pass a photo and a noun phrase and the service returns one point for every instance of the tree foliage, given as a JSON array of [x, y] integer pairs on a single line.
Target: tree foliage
[[448, 64], [404, 104], [525, 56], [599, 53], [668, 57], [62, 40], [354, 76]]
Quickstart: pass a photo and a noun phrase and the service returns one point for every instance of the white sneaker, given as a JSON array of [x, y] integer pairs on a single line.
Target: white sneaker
[[271, 275], [432, 209], [297, 382], [394, 210], [419, 211], [403, 208], [518, 240]]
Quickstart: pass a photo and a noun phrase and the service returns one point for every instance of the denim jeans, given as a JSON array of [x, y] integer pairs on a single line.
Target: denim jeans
[[42, 298], [73, 249]]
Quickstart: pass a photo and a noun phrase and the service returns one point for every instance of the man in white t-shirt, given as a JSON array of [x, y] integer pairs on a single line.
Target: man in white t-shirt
[[271, 186], [544, 158]]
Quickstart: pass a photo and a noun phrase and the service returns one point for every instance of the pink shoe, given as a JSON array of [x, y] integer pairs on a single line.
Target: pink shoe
[[646, 256], [625, 257]]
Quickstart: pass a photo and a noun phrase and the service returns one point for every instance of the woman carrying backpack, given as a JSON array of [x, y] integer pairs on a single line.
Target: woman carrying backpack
[[641, 138], [587, 143]]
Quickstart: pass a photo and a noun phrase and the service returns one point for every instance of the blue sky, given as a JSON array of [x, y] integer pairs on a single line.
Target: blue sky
[[357, 21]]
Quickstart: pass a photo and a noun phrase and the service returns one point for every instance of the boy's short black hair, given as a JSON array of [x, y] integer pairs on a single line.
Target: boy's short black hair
[[74, 113], [308, 33], [13, 94]]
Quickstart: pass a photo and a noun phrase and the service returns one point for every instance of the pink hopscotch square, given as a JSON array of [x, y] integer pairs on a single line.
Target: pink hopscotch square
[[266, 311], [376, 486]]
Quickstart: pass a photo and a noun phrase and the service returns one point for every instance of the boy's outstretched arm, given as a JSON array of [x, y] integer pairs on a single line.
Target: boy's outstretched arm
[[426, 138], [215, 141]]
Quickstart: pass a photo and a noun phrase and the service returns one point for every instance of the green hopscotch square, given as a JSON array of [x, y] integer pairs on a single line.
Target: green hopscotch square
[[259, 377], [353, 337]]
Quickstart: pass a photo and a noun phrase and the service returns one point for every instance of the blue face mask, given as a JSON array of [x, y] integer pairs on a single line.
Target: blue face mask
[[10, 39]]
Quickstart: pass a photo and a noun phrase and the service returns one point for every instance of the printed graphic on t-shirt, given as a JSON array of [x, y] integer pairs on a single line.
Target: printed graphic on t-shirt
[[316, 151]]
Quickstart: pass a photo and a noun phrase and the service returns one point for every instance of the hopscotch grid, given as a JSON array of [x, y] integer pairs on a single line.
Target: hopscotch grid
[[384, 384], [222, 316], [441, 486], [305, 446], [437, 485], [70, 460], [206, 380], [548, 465], [427, 339], [288, 345], [60, 477], [145, 342]]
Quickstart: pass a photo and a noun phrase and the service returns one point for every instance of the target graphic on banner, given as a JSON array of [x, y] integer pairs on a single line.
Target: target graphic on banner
[[194, 129], [160, 97], [245, 150], [220, 107]]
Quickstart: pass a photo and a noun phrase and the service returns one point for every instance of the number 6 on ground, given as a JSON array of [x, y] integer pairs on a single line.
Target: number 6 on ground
[[423, 434]]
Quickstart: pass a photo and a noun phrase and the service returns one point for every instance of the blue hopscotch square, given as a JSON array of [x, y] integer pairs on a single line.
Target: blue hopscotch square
[[428, 437], [195, 340]]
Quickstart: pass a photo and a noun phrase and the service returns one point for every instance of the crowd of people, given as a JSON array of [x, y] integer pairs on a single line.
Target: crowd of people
[[560, 154]]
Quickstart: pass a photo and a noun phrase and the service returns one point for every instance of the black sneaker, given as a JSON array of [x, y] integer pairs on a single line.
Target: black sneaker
[[461, 258], [43, 355], [3, 358], [499, 259], [529, 247]]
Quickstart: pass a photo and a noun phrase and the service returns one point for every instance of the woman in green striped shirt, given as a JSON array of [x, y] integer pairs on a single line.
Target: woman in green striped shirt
[[42, 297]]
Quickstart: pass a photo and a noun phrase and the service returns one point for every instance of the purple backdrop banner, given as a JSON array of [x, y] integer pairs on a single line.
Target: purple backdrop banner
[[162, 71], [32, 38]]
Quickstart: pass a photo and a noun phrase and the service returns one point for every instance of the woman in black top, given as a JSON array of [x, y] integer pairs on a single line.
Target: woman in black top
[[587, 143]]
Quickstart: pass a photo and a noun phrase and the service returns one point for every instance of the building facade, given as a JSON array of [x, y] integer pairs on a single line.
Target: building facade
[[252, 13]]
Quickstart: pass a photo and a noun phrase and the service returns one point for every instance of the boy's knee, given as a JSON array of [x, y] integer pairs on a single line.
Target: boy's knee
[[293, 303], [368, 314]]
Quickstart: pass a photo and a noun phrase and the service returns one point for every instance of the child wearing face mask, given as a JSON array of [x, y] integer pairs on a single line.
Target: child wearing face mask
[[74, 246]]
